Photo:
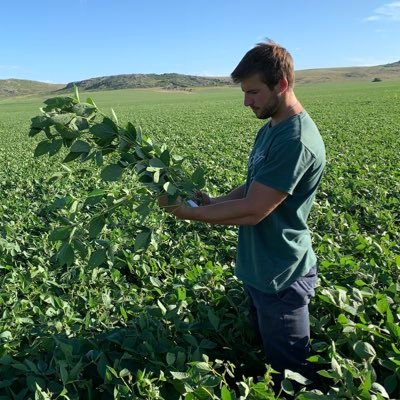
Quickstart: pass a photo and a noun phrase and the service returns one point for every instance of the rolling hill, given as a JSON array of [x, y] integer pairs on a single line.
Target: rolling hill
[[21, 87], [380, 72], [172, 81]]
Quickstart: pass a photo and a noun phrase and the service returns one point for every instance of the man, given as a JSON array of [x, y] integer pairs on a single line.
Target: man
[[275, 259]]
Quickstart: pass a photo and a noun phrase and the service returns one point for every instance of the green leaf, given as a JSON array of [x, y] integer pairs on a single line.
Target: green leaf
[[76, 93], [225, 393], [6, 359], [124, 373], [214, 320], [155, 281], [170, 358], [114, 116], [64, 374], [107, 130], [191, 340], [364, 350], [67, 133], [142, 240], [80, 147], [165, 157], [97, 258], [391, 383], [112, 172], [287, 387], [55, 146], [156, 176], [96, 226], [295, 376], [59, 102], [170, 188], [62, 119], [379, 389], [156, 163], [394, 329], [40, 122], [198, 177], [66, 255], [179, 375], [71, 157], [130, 133], [61, 233], [42, 148]]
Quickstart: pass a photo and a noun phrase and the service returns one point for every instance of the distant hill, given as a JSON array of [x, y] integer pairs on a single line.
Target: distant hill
[[172, 81], [21, 87], [135, 81], [380, 72]]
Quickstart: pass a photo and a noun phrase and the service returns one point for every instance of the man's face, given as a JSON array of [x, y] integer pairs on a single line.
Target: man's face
[[263, 101]]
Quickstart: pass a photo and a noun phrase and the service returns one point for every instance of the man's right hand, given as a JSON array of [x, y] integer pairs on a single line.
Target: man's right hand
[[202, 198]]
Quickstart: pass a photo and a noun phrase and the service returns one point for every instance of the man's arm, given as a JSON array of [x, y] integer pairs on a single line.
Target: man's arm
[[259, 202], [237, 193]]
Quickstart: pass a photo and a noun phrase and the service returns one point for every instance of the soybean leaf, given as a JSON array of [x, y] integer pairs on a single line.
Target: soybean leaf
[[198, 177], [287, 387], [96, 226], [60, 234], [42, 148], [55, 146], [142, 240], [80, 147], [225, 393], [97, 258], [59, 102], [112, 172], [71, 157], [170, 188], [62, 119], [364, 350], [66, 255], [165, 157], [156, 163], [105, 130]]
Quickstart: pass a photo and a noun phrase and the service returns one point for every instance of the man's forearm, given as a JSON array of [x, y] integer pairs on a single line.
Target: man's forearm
[[259, 202], [231, 212], [235, 194]]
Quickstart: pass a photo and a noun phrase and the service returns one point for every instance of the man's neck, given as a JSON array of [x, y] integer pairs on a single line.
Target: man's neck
[[290, 107]]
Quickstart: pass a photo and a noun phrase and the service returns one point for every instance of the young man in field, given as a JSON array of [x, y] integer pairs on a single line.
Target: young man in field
[[275, 258]]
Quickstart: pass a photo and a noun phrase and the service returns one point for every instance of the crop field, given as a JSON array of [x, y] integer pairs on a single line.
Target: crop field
[[104, 298]]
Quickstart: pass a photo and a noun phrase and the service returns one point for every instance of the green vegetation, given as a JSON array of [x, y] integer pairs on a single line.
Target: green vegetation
[[170, 322]]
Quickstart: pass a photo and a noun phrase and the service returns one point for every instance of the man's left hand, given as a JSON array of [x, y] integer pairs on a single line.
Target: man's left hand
[[178, 209]]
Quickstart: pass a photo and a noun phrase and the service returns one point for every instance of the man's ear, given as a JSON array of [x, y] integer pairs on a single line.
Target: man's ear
[[283, 85]]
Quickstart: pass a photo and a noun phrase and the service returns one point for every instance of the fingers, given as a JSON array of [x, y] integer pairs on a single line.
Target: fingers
[[202, 198], [164, 203]]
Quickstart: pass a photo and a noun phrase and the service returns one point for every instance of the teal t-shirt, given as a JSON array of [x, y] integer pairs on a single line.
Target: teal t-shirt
[[290, 157]]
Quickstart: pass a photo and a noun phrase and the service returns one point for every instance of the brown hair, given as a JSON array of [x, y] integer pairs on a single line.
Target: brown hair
[[268, 59]]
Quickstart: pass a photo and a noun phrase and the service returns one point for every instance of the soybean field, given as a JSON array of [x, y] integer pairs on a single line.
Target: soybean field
[[105, 296]]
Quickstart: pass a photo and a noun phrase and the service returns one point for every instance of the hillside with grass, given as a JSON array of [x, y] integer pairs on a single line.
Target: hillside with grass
[[173, 81], [137, 81], [366, 74], [22, 87]]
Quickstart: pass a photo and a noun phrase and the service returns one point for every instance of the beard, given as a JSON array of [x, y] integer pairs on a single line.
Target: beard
[[269, 109]]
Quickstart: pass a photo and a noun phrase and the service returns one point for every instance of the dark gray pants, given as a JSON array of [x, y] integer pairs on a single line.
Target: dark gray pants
[[282, 322]]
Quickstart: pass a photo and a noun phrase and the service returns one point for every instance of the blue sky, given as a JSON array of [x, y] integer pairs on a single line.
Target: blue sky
[[61, 41]]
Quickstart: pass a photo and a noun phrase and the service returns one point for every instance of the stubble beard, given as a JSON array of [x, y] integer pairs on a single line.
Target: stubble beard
[[269, 110]]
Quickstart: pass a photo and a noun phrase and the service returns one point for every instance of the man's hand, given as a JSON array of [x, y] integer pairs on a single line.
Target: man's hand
[[178, 208], [202, 198]]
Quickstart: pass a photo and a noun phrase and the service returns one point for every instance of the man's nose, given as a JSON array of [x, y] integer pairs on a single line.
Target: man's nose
[[247, 101]]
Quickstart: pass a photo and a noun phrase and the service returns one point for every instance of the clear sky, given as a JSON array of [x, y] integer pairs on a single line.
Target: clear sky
[[61, 41]]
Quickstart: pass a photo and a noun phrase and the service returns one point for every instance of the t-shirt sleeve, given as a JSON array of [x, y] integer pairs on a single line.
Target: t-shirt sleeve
[[284, 166]]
